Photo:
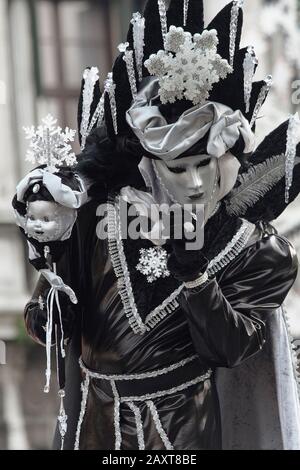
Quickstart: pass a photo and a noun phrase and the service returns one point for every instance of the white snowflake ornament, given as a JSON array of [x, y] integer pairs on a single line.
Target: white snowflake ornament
[[153, 263], [189, 66], [49, 144]]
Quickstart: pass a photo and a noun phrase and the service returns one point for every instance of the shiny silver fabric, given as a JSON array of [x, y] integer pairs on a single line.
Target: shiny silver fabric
[[169, 141]]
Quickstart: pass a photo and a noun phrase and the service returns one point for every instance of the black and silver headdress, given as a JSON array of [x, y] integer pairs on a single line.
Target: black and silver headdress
[[173, 72]]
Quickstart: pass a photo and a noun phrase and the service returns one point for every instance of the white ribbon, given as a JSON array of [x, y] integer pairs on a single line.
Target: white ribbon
[[57, 284]]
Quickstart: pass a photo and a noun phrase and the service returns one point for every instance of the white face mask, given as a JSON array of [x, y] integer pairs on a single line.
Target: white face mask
[[47, 221], [191, 180]]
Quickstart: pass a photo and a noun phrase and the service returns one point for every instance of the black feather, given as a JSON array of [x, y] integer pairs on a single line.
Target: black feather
[[273, 204]]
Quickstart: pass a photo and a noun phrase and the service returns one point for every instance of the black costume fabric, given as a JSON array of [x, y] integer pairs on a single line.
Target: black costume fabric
[[225, 325], [222, 322]]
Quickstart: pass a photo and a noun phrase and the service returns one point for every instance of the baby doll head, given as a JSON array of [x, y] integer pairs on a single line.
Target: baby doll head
[[45, 219]]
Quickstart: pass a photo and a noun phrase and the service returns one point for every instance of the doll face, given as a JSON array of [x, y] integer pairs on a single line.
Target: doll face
[[191, 180], [43, 221]]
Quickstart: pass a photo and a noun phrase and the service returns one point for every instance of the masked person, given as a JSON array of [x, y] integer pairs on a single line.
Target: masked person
[[180, 348]]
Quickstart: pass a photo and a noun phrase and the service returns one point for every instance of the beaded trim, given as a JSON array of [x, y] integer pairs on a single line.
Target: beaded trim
[[171, 303]]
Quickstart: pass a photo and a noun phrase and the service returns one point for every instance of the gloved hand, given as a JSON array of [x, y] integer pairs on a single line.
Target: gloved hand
[[36, 316], [185, 264]]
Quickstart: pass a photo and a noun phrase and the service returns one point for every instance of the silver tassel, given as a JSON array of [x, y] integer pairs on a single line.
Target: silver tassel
[[62, 418], [128, 59], [90, 78], [163, 17], [185, 11], [250, 61], [261, 98], [290, 154], [138, 23], [233, 28], [110, 88]]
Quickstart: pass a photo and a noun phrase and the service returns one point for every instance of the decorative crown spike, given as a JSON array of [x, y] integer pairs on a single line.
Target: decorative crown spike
[[188, 67], [163, 17], [49, 145], [91, 76], [233, 28], [249, 64], [292, 141], [261, 98], [109, 88], [185, 11], [128, 59], [138, 23]]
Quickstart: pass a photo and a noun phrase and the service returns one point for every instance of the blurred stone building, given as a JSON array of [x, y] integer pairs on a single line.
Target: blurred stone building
[[44, 47]]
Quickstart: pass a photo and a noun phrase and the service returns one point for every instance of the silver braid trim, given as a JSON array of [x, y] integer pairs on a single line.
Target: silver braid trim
[[130, 400], [170, 391], [158, 425], [139, 425], [233, 249], [85, 391], [143, 375], [118, 436], [116, 251]]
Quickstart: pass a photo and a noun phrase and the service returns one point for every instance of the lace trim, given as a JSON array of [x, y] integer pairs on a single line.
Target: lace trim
[[171, 303]]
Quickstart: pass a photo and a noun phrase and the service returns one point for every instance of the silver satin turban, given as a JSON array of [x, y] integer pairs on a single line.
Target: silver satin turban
[[169, 141]]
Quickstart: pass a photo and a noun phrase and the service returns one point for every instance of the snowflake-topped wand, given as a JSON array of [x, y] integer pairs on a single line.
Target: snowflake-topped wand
[[46, 206]]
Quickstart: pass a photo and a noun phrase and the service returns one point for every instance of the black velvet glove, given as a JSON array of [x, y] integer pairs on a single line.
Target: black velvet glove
[[36, 317], [185, 265]]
